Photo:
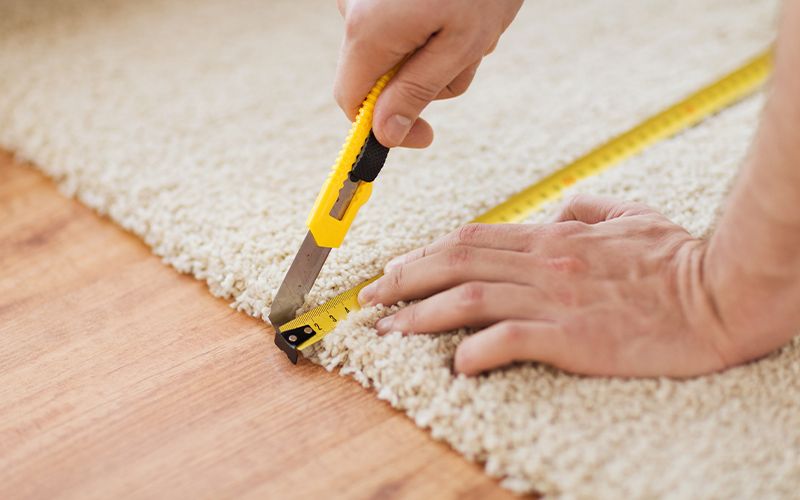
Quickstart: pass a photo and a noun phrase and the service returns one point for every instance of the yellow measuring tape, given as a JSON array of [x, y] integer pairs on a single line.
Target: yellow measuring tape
[[680, 116]]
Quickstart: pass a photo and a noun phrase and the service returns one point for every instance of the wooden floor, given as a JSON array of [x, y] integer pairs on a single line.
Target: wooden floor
[[121, 378]]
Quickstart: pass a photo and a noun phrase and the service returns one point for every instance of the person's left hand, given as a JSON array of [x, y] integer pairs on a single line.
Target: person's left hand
[[612, 288]]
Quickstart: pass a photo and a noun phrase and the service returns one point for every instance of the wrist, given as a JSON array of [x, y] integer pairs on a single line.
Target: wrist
[[757, 309]]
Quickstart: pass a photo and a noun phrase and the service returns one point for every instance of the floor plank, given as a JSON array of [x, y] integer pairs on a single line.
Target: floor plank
[[121, 378]]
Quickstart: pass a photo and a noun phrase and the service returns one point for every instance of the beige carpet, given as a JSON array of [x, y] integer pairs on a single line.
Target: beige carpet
[[207, 127]]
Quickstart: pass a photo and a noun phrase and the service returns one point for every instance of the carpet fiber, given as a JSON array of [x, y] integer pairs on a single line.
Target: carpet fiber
[[206, 127]]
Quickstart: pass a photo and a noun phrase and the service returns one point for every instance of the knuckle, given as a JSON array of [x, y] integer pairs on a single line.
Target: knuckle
[[355, 20], [566, 297], [652, 229], [457, 87], [492, 47], [422, 252], [458, 257], [532, 236], [397, 277], [469, 234], [565, 229], [471, 38], [578, 199], [417, 91], [510, 332], [352, 27], [637, 208], [477, 46], [471, 295], [567, 264], [408, 258], [405, 320], [574, 203]]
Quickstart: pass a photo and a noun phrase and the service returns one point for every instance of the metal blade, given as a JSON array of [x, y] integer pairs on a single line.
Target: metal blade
[[306, 266], [298, 281]]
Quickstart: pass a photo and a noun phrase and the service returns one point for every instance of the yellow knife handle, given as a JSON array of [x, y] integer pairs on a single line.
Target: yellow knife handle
[[329, 231]]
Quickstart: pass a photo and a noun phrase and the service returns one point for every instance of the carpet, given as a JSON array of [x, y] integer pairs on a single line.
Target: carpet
[[206, 127]]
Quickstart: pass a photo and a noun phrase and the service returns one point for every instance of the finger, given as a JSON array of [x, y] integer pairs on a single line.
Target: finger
[[442, 270], [492, 47], [420, 135], [591, 209], [473, 304], [514, 340], [341, 5], [460, 83], [358, 69], [421, 78], [371, 48], [514, 237]]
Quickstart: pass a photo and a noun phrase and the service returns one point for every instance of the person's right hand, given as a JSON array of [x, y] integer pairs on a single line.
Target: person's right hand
[[446, 40]]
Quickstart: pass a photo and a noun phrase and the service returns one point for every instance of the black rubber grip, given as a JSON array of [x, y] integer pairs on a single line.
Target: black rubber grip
[[370, 160]]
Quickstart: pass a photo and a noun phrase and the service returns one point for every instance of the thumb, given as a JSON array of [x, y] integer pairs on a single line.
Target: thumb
[[591, 209], [420, 80]]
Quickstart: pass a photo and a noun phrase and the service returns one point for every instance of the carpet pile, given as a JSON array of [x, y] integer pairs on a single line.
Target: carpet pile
[[206, 127]]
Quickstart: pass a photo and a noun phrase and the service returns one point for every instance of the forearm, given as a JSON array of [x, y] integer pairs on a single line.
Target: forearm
[[753, 260]]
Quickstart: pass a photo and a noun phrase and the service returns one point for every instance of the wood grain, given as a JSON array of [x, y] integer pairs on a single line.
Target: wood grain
[[121, 378]]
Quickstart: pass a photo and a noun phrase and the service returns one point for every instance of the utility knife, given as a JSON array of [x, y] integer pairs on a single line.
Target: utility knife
[[345, 191]]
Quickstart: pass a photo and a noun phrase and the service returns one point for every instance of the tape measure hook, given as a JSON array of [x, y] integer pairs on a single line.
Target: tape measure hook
[[289, 340]]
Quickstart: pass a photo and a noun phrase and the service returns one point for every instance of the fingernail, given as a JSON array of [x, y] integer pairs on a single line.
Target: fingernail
[[396, 129], [385, 325], [366, 294]]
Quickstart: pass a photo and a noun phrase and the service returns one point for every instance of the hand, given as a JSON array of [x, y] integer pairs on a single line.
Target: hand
[[612, 288], [448, 39]]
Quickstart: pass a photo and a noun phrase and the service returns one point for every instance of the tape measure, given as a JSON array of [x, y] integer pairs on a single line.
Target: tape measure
[[310, 327]]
